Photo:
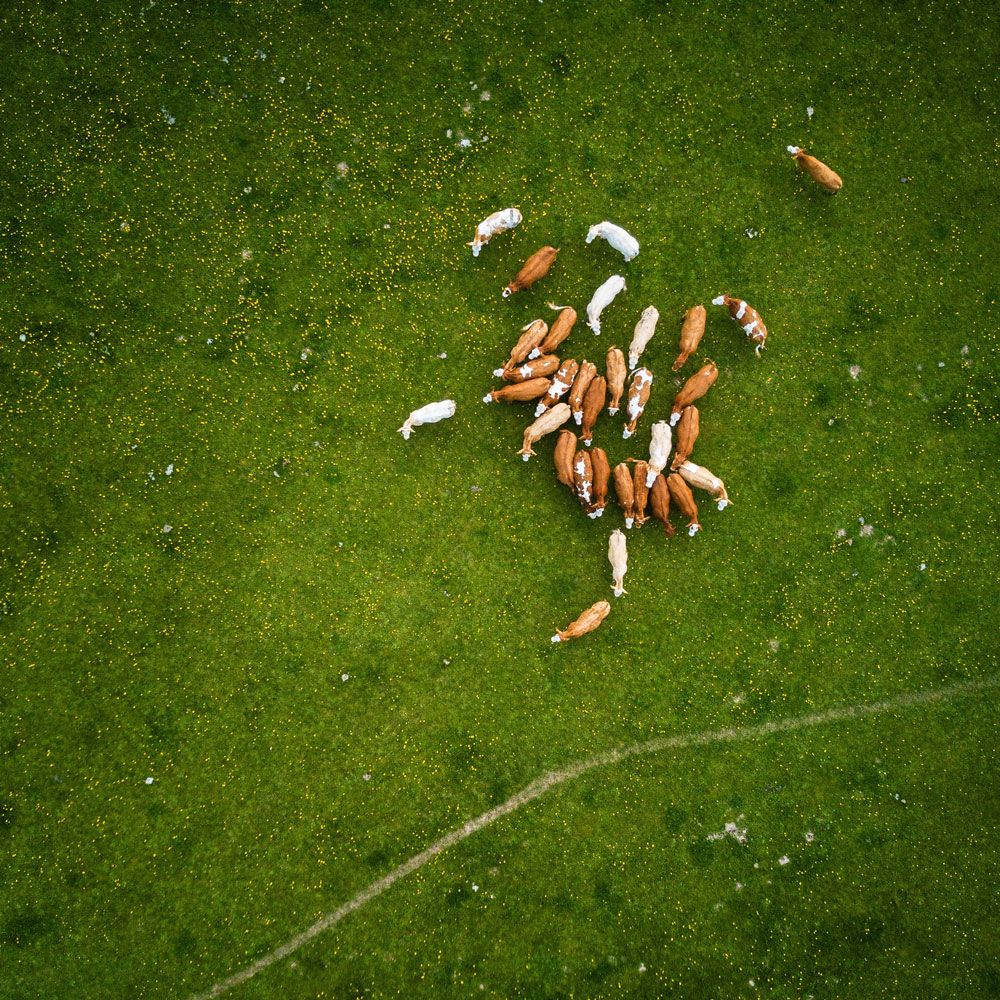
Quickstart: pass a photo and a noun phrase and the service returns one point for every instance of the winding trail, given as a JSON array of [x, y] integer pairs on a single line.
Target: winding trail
[[551, 779]]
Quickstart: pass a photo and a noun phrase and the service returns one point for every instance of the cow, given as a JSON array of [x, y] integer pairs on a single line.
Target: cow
[[498, 222], [659, 450], [817, 170], [429, 414], [747, 317], [694, 388], [603, 297], [549, 421], [685, 501], [593, 403], [687, 434], [659, 504], [560, 330], [626, 495], [583, 479], [535, 267], [704, 480], [617, 373], [547, 364], [519, 392], [587, 622], [563, 457], [561, 382], [527, 345], [692, 330], [638, 394], [580, 385], [618, 557], [621, 240], [602, 472], [642, 334], [640, 492]]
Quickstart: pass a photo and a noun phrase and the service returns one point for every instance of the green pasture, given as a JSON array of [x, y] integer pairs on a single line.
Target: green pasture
[[233, 245]]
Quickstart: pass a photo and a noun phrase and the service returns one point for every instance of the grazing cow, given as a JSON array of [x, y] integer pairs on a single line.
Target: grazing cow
[[561, 382], [622, 241], [642, 334], [519, 391], [638, 394], [692, 330], [659, 450], [547, 364], [617, 373], [587, 622], [694, 388], [560, 329], [593, 403], [580, 385], [535, 267], [603, 297], [498, 222], [687, 434], [704, 480], [659, 504], [640, 491], [626, 495], [817, 170], [618, 557], [747, 317], [429, 414], [549, 421], [526, 346], [583, 479], [563, 456], [684, 500], [602, 472]]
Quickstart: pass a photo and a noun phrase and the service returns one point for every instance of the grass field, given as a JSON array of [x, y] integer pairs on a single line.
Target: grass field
[[339, 650]]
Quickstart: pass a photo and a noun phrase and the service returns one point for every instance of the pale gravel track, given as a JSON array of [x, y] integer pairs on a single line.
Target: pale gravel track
[[549, 780]]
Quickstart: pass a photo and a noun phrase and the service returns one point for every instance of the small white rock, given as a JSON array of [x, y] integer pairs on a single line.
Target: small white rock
[[345, 677], [169, 470], [149, 781], [167, 528], [783, 860]]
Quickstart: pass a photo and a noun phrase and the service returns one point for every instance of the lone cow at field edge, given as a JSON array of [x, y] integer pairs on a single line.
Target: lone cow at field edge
[[587, 622], [817, 170], [498, 222]]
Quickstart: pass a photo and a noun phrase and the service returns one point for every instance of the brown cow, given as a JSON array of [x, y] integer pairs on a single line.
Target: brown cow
[[526, 346], [535, 267], [659, 503], [692, 330], [747, 317], [704, 480], [687, 434], [565, 450], [640, 491], [583, 479], [587, 622], [549, 421], [616, 377], [638, 395], [817, 170], [602, 472], [626, 494], [561, 382], [547, 364], [560, 329], [593, 403], [684, 500], [519, 391], [694, 388], [580, 385]]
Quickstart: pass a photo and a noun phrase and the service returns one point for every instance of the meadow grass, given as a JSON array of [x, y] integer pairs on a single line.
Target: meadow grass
[[198, 285]]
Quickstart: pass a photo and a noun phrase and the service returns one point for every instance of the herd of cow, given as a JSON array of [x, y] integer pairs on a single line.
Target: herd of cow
[[565, 390]]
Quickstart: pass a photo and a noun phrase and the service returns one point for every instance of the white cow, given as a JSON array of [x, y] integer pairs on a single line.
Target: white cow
[[624, 242], [498, 222], [429, 414], [659, 451], [618, 557], [642, 334], [603, 297]]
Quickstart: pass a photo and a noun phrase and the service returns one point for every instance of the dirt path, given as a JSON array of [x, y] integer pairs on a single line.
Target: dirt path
[[541, 785]]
